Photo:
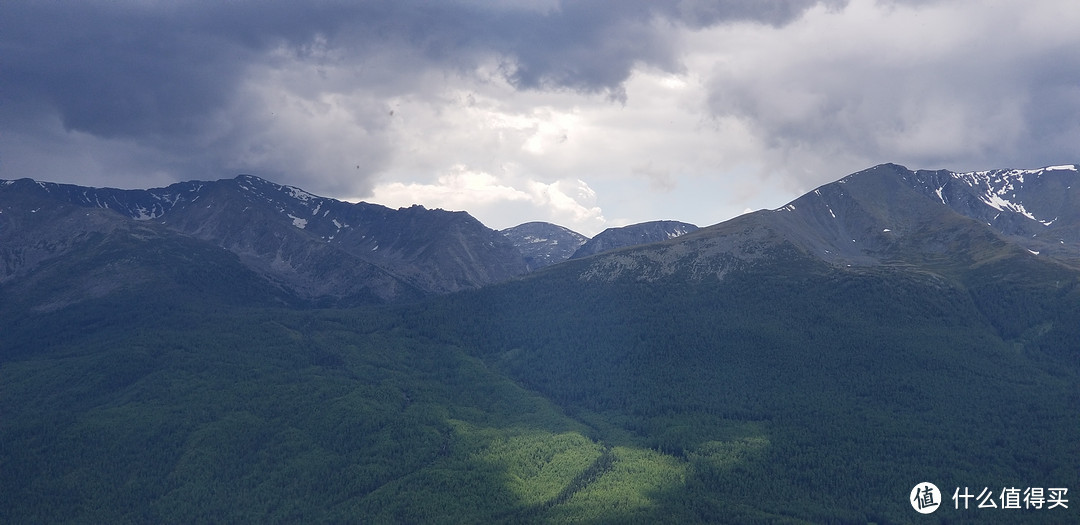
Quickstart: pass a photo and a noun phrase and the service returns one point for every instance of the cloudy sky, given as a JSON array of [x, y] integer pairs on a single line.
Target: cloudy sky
[[589, 114]]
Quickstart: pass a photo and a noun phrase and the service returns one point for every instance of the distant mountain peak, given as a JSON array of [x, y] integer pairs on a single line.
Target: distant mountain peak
[[543, 244], [633, 235], [263, 187]]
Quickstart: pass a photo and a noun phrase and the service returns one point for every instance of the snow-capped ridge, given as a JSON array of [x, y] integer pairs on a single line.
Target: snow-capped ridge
[[1002, 189], [256, 185]]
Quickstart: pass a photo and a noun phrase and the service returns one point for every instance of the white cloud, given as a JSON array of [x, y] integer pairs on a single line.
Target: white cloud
[[500, 203], [457, 189], [573, 154], [572, 198]]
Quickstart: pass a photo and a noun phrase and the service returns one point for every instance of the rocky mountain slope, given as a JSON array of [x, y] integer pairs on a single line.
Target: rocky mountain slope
[[327, 251], [633, 235], [885, 216], [317, 248], [543, 244], [1038, 208]]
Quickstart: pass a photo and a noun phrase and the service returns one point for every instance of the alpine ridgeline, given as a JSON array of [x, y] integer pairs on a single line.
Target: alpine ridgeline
[[633, 235], [309, 247], [543, 244], [887, 216]]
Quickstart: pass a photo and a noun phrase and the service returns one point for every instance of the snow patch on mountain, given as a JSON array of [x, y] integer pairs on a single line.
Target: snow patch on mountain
[[996, 201], [999, 188], [299, 194], [145, 214], [677, 232], [939, 195]]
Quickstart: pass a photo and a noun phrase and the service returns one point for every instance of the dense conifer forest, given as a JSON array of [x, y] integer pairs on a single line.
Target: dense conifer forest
[[789, 392]]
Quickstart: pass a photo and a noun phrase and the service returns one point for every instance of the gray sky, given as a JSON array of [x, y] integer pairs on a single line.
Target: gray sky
[[588, 114]]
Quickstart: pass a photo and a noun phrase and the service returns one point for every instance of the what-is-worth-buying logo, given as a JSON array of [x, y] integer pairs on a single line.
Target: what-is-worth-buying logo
[[926, 498]]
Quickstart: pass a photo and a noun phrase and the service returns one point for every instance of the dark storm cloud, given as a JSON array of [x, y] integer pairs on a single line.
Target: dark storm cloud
[[119, 69], [147, 69], [163, 81], [928, 84], [593, 45]]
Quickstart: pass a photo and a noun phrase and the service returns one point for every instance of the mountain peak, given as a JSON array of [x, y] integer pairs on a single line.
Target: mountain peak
[[543, 244], [247, 177], [632, 235], [318, 248], [886, 216], [273, 190], [1037, 209]]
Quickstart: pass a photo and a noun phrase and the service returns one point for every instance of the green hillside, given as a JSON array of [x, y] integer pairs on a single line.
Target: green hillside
[[800, 390], [788, 391], [270, 416]]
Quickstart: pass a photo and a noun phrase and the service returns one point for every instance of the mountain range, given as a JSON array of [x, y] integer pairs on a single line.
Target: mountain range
[[315, 249], [169, 357], [326, 251], [889, 216]]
